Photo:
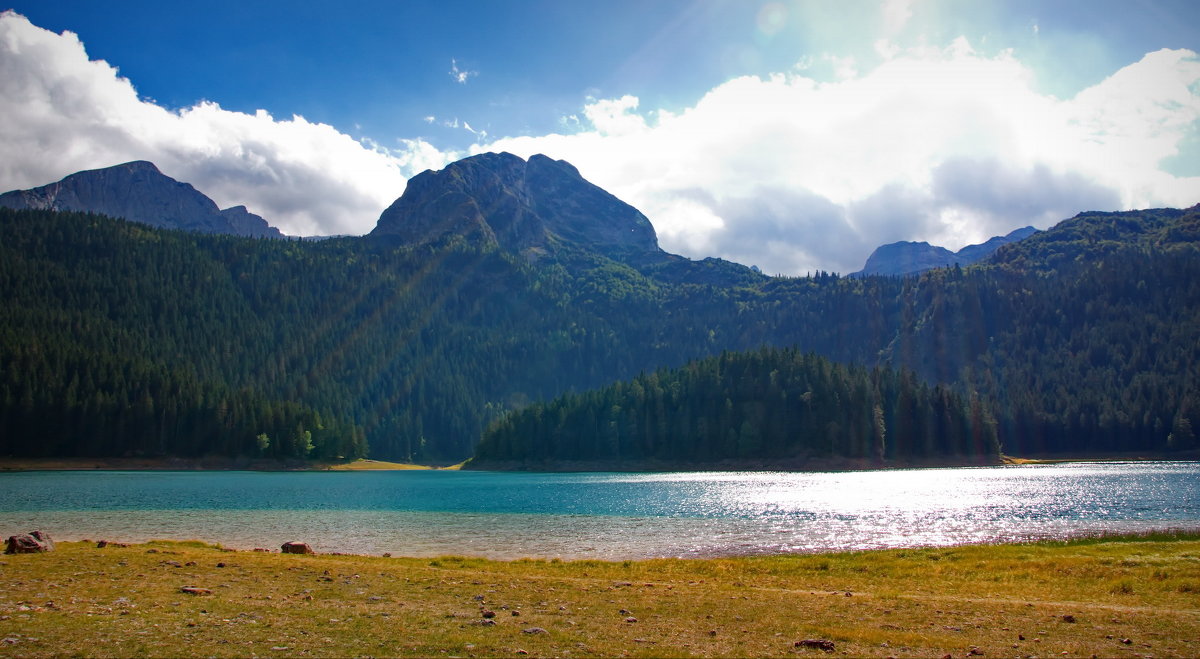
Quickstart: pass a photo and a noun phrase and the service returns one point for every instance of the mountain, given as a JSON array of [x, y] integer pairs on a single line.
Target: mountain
[[524, 207], [1096, 236], [138, 192], [908, 258], [543, 210], [119, 338]]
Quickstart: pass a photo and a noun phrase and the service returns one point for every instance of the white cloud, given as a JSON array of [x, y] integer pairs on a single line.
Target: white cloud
[[781, 171], [944, 145], [895, 15], [461, 76], [64, 113]]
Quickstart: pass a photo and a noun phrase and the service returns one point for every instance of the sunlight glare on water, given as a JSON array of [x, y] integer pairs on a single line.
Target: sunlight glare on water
[[610, 515]]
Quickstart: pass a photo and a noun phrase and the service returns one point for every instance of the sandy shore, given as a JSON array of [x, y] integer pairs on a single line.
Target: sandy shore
[[196, 464]]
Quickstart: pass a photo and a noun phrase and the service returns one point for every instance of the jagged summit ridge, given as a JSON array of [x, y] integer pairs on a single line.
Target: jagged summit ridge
[[523, 206], [137, 191]]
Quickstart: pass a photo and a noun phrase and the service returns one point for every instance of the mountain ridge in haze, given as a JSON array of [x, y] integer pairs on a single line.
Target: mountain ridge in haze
[[910, 258], [137, 191]]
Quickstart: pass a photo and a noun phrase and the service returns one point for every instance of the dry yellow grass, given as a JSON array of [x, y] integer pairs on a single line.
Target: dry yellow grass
[[1124, 597]]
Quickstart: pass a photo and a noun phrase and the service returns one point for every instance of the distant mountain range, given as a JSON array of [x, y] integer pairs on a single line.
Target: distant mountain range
[[533, 208], [138, 192], [909, 258]]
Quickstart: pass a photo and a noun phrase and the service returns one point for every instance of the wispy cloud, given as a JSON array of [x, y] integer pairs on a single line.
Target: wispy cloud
[[460, 75]]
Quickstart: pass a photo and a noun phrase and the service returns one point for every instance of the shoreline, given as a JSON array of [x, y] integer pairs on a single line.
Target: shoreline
[[1164, 533], [817, 465], [201, 464], [8, 464]]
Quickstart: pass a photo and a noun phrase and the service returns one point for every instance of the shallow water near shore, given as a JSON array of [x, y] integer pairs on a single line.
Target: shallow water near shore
[[605, 515]]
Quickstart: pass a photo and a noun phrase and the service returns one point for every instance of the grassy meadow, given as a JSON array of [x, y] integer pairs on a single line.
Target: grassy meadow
[[1128, 596]]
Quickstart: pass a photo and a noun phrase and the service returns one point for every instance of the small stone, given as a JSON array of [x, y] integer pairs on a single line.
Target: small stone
[[102, 544], [220, 565], [521, 652], [516, 613], [1068, 618], [816, 644], [387, 554], [712, 632], [488, 614], [534, 630], [1127, 641], [631, 619], [193, 590], [296, 548]]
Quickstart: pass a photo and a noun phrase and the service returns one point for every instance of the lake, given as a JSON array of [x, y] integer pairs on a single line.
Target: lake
[[604, 515]]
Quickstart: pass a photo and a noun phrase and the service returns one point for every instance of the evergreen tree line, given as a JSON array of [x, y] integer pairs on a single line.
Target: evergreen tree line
[[765, 405], [1083, 338]]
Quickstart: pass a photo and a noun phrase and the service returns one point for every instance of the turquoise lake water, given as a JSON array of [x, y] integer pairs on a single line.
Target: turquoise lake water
[[603, 515]]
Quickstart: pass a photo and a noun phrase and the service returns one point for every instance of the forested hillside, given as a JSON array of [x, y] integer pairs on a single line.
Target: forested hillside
[[119, 338], [764, 406]]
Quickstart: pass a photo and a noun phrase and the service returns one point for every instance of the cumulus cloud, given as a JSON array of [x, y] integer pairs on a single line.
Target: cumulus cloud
[[64, 113], [938, 144], [784, 171]]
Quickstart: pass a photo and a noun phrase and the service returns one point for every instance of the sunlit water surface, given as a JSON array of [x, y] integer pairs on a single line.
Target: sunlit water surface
[[606, 515]]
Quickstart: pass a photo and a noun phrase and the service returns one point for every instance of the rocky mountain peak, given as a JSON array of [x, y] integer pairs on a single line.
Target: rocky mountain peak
[[522, 206]]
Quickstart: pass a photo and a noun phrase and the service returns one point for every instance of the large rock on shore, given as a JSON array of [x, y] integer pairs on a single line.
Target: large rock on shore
[[34, 542]]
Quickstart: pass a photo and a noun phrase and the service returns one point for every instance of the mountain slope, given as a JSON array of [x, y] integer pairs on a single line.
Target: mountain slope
[[138, 192], [762, 407]]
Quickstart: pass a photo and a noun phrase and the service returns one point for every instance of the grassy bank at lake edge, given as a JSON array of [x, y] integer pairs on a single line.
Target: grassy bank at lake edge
[[1112, 597]]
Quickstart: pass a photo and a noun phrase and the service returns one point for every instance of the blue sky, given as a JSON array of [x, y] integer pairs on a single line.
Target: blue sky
[[792, 135]]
